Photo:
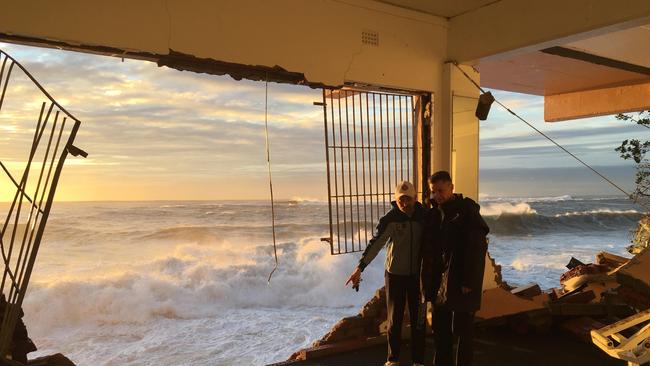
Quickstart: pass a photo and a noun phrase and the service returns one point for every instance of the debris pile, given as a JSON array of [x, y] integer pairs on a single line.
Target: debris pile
[[56, 359], [590, 296], [369, 327], [365, 324]]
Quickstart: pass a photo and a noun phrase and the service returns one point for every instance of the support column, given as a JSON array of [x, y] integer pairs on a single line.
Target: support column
[[441, 129], [456, 129]]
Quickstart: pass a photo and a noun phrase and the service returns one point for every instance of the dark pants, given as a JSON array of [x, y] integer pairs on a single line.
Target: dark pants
[[398, 290], [447, 326]]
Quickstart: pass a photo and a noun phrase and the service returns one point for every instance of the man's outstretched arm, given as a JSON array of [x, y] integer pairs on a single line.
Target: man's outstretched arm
[[379, 239]]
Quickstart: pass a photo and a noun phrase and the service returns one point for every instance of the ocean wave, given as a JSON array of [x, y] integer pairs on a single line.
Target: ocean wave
[[574, 222], [303, 201], [196, 281], [562, 198], [487, 199], [173, 206], [215, 233], [198, 234], [497, 209], [604, 211]]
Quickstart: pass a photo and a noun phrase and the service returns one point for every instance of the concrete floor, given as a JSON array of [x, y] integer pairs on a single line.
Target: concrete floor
[[496, 347]]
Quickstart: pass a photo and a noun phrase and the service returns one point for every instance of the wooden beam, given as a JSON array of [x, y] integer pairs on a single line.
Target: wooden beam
[[599, 102], [340, 347], [595, 59]]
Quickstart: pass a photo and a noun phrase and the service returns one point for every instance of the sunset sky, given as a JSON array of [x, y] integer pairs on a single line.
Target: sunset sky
[[160, 134]]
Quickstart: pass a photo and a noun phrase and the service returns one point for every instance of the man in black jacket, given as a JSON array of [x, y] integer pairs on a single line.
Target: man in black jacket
[[454, 250]]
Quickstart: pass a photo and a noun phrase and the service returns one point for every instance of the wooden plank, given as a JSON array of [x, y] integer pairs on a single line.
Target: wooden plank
[[528, 291], [497, 303], [568, 309], [579, 297], [598, 102], [341, 347], [611, 260]]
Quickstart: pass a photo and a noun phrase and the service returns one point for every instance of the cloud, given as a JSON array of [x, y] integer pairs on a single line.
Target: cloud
[[518, 101], [147, 122]]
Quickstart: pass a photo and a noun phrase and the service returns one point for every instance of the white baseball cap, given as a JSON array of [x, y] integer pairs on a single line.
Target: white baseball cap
[[404, 188]]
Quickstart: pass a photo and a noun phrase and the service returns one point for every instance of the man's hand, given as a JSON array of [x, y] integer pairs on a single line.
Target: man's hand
[[355, 279], [465, 290], [426, 297]]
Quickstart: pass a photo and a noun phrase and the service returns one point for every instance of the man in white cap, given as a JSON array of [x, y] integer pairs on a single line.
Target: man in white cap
[[401, 229]]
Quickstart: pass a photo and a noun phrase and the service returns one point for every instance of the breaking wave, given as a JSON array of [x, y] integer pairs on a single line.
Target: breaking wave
[[508, 208], [197, 304], [215, 233], [304, 200], [198, 281], [507, 218], [487, 198]]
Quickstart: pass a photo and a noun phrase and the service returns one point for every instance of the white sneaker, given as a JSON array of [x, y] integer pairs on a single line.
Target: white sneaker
[[418, 364], [391, 363]]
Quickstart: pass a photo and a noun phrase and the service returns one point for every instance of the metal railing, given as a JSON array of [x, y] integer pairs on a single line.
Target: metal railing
[[35, 184], [370, 147]]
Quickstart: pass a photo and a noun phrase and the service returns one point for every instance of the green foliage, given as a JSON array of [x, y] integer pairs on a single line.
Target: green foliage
[[634, 149]]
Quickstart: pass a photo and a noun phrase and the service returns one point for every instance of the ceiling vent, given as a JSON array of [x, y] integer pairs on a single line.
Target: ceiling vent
[[370, 38]]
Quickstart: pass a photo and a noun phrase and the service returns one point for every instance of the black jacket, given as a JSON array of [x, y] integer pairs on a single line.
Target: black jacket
[[455, 236]]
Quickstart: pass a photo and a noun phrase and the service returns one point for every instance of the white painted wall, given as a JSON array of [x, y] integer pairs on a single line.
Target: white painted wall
[[320, 38]]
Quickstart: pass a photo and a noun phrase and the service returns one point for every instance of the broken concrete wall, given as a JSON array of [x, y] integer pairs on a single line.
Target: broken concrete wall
[[364, 324], [635, 274], [492, 276]]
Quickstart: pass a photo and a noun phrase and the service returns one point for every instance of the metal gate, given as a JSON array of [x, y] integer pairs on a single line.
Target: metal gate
[[370, 147], [33, 174]]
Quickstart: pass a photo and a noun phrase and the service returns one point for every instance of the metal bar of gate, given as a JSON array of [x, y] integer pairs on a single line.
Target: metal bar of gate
[[349, 170], [356, 171], [327, 161], [363, 172], [336, 179]]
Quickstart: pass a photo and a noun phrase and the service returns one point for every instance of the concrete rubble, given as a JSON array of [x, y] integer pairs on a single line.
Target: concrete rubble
[[52, 360], [589, 296]]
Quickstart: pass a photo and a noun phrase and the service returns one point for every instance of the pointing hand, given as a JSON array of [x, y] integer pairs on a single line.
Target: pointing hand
[[355, 279]]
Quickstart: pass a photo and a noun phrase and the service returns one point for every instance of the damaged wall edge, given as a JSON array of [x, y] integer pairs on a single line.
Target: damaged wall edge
[[636, 273], [178, 61], [187, 62]]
